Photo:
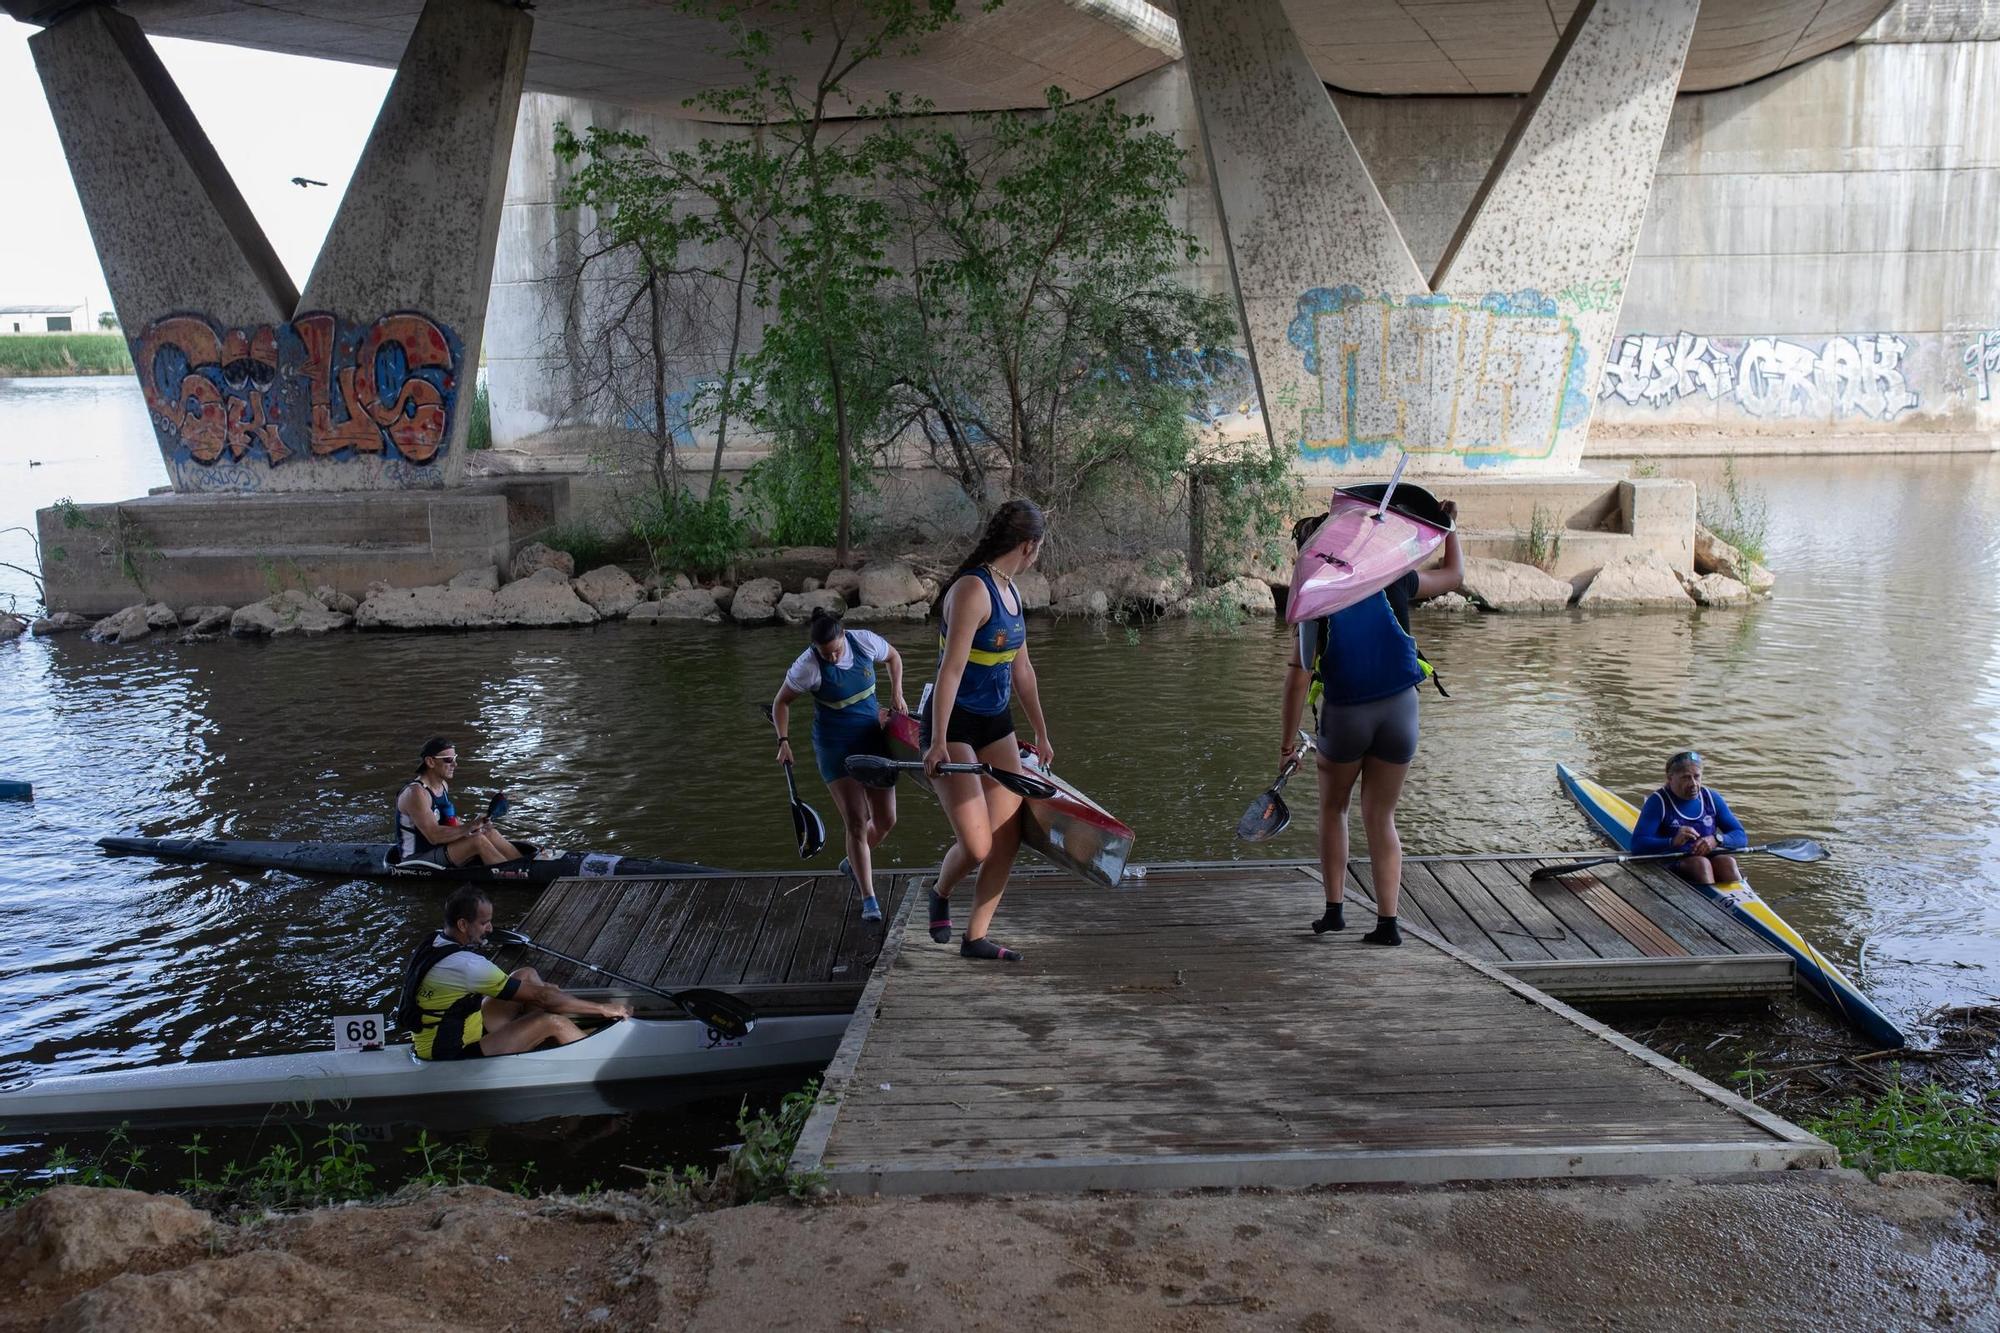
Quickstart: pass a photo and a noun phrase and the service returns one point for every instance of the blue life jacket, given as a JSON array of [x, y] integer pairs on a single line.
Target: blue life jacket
[[987, 687]]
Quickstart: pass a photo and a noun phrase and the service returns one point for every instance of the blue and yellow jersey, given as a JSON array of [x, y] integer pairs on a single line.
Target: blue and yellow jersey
[[987, 687]]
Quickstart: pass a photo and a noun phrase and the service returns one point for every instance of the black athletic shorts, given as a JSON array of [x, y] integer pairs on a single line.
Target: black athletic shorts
[[967, 727]]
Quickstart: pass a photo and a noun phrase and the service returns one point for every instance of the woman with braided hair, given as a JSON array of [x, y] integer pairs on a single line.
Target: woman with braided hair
[[966, 715]]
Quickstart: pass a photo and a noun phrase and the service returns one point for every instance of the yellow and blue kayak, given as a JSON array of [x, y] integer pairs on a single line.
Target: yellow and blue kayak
[[1614, 817]]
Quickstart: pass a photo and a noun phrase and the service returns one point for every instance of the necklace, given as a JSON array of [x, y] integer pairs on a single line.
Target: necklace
[[998, 572]]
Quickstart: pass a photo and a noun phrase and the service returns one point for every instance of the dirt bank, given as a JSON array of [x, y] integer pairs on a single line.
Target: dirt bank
[[1818, 1250]]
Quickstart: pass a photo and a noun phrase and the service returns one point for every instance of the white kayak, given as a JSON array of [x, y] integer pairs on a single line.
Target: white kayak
[[619, 1053]]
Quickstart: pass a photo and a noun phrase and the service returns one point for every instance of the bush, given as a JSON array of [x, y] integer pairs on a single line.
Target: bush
[[683, 533], [796, 491], [587, 544], [759, 1168], [479, 433], [1542, 543], [1928, 1128], [1739, 515]]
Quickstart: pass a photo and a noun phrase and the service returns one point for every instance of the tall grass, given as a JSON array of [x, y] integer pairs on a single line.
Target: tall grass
[[1739, 514], [479, 432], [1541, 545], [25, 354]]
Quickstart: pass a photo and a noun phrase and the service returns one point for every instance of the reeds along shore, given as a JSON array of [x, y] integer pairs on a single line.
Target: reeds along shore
[[24, 355]]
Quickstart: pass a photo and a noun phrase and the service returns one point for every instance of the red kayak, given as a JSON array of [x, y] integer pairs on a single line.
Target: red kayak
[[1071, 831], [1361, 547]]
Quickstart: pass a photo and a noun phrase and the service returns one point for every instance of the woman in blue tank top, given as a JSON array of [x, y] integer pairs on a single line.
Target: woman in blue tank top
[[1362, 669], [838, 672], [966, 715]]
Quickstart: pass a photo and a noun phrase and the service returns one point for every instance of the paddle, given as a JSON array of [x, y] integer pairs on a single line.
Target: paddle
[[1268, 815], [806, 823], [1402, 461], [1803, 850], [723, 1012], [872, 770]]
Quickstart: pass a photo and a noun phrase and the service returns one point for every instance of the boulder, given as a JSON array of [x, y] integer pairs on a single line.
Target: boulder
[[434, 607], [1244, 595], [1449, 601], [1716, 590], [127, 626], [379, 586], [1150, 586], [791, 566], [195, 615], [889, 583], [288, 612], [62, 622], [12, 626], [214, 622], [1503, 585], [681, 604], [811, 585], [796, 608], [723, 594], [1034, 589], [1632, 581], [666, 583], [535, 556], [610, 590], [486, 578], [161, 616], [846, 582], [333, 599], [542, 598], [1085, 601], [71, 1230], [756, 602], [875, 615], [1712, 555]]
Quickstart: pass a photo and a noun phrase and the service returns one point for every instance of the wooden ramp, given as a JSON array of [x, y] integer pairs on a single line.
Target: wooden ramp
[[786, 942], [1196, 1034]]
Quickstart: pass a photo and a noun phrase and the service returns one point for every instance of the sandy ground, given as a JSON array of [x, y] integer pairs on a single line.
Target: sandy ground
[[1809, 1250]]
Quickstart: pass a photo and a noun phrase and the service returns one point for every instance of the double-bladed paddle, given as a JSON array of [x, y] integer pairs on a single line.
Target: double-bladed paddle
[[1803, 850], [806, 823], [727, 1015], [1268, 815], [872, 770]]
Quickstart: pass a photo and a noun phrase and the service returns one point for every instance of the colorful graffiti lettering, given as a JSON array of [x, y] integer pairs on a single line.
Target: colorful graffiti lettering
[[1766, 377], [1982, 360], [315, 387], [1602, 294], [1492, 381]]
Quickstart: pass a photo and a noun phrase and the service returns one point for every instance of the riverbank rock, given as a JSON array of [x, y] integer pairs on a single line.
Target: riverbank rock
[[1712, 555], [846, 582], [796, 608], [285, 613], [486, 579], [756, 602], [876, 615], [685, 604], [127, 626], [889, 583], [1634, 582], [535, 556], [1450, 601], [1716, 590], [333, 599], [609, 590], [62, 622], [192, 617], [70, 1230], [1244, 595], [791, 566], [1035, 591], [433, 607], [161, 616], [724, 595], [1082, 600], [1503, 585], [12, 626], [542, 598]]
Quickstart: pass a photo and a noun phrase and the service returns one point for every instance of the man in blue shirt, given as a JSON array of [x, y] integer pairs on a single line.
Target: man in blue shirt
[[1685, 814]]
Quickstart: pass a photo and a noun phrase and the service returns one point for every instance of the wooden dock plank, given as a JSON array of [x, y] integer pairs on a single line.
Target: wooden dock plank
[[1665, 910], [1586, 925], [1530, 913], [700, 931], [1489, 914], [834, 900], [737, 931], [771, 957], [1733, 935], [672, 901]]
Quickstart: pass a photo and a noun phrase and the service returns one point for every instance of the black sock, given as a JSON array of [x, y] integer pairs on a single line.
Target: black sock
[[985, 948], [1385, 932], [940, 917], [1335, 919]]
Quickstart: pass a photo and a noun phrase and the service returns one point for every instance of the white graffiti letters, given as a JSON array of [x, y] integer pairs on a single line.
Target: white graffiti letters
[[1982, 359], [1651, 369], [1767, 377]]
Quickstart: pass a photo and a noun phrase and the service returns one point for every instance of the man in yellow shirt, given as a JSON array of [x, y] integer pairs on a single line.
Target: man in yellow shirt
[[460, 1006]]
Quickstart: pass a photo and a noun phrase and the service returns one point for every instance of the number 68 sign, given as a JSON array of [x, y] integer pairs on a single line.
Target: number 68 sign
[[359, 1032]]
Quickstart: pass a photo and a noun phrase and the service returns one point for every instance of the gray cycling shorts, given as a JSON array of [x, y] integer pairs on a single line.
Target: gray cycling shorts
[[1384, 729]]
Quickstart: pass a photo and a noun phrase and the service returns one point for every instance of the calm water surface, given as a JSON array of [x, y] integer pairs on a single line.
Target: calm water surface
[[1860, 707]]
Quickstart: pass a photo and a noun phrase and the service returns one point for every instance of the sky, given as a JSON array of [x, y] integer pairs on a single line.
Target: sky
[[271, 117]]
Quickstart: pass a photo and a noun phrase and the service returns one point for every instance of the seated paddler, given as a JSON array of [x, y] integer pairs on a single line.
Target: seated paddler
[[429, 829], [1685, 814], [458, 1005]]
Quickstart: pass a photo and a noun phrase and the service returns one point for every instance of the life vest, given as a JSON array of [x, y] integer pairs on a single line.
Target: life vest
[[410, 843], [1399, 606], [411, 1016]]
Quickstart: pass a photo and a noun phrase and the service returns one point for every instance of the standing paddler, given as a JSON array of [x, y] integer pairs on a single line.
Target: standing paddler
[[838, 671], [967, 716]]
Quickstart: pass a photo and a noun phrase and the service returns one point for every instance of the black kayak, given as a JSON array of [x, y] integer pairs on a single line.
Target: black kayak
[[370, 860]]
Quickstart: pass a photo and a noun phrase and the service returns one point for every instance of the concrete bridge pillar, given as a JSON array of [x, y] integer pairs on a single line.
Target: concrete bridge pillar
[[364, 382], [1492, 361]]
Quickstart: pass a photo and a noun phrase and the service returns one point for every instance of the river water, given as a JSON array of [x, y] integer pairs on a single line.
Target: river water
[[1860, 707]]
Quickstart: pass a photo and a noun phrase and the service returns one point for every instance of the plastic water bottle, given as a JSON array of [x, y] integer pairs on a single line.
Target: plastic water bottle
[[1136, 873]]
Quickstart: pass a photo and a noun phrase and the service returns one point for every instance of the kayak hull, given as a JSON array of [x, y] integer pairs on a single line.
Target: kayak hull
[[370, 860], [1356, 552], [1615, 817], [637, 1050], [1070, 831]]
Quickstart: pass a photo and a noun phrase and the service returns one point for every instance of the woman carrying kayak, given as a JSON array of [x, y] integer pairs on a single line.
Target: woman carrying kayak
[[838, 671], [1365, 666], [428, 828], [1685, 814], [966, 715]]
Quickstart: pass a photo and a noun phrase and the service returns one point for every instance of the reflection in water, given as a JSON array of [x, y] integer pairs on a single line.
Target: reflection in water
[[1859, 707]]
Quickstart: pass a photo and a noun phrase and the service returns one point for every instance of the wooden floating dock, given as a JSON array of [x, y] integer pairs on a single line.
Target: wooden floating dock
[[1197, 1034]]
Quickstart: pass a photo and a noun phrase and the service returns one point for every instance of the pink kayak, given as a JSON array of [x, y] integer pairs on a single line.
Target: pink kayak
[[1356, 551]]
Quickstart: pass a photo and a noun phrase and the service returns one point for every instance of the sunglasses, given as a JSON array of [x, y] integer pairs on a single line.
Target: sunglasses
[[445, 758], [1684, 757]]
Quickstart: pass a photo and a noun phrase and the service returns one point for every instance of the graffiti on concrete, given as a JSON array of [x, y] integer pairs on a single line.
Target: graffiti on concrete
[[1218, 382], [1488, 382], [1765, 377], [313, 388], [1982, 361]]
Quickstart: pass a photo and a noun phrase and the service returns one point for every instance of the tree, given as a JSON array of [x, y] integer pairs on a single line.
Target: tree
[[107, 320]]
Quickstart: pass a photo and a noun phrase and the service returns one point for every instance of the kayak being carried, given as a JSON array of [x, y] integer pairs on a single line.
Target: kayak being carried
[[1372, 535]]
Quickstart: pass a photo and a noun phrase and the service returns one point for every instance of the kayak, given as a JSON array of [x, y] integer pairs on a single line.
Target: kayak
[[619, 1053], [370, 860], [1359, 550], [1614, 817], [1070, 831]]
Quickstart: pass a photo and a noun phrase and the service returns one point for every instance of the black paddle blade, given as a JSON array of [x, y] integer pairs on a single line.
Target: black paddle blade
[[1543, 873], [1795, 849], [809, 828], [872, 770], [725, 1015], [1267, 817], [1025, 785]]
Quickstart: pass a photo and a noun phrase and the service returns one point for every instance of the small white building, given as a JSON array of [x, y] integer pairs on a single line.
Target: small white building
[[44, 319]]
